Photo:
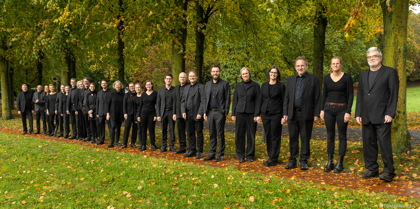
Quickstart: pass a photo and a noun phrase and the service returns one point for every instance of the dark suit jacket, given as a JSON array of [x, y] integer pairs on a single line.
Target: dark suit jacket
[[246, 101], [82, 95], [90, 101], [272, 102], [223, 96], [380, 100], [177, 101], [129, 105], [40, 96], [61, 102], [21, 102], [310, 97], [72, 100], [101, 102], [161, 101], [198, 100]]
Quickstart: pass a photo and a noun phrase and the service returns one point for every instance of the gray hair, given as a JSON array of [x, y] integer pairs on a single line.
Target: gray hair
[[242, 69], [301, 58], [372, 49], [116, 82]]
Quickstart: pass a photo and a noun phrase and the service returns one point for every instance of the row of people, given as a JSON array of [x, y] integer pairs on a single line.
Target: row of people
[[298, 103]]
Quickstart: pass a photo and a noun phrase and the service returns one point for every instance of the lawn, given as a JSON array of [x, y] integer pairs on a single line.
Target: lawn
[[38, 173]]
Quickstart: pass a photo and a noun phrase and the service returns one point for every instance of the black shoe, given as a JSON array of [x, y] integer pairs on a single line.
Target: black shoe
[[142, 148], [111, 145], [339, 167], [65, 136], [172, 149], [133, 146], [219, 158], [86, 139], [37, 132], [304, 166], [250, 160], [118, 144], [210, 157], [241, 160], [199, 155], [60, 135], [124, 146], [191, 154], [163, 149], [154, 147], [370, 174], [181, 151], [291, 165], [100, 143], [72, 137], [31, 132], [269, 164], [387, 177], [330, 164], [93, 141], [24, 132]]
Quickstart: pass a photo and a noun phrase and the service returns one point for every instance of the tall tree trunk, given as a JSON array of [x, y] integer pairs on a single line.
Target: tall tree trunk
[[121, 63], [11, 85], [395, 17], [70, 72], [320, 29], [179, 41], [5, 91], [199, 42], [40, 67]]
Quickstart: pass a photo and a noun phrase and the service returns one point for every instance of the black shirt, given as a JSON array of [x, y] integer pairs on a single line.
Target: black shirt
[[169, 98], [299, 90], [190, 96], [52, 98], [28, 99], [372, 76], [148, 102], [213, 93], [338, 92]]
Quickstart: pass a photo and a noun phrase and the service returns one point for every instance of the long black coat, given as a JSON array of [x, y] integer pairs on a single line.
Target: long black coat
[[246, 101], [272, 102], [115, 103], [198, 100]]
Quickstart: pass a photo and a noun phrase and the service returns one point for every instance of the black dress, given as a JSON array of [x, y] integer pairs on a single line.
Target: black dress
[[147, 111], [115, 103]]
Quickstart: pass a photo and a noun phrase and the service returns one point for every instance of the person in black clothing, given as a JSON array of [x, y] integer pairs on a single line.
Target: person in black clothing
[[81, 126], [177, 115], [129, 110], [47, 92], [72, 107], [39, 100], [246, 113], [51, 111], [101, 109], [85, 110], [146, 114], [115, 113], [25, 108], [59, 111], [62, 103], [90, 103], [336, 103], [137, 99], [272, 95], [164, 113]]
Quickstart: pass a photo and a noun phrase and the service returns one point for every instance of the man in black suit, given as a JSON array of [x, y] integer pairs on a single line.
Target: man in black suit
[[85, 110], [101, 104], [215, 110], [375, 108], [129, 111], [72, 102], [25, 108], [164, 113], [39, 100], [177, 115], [301, 109], [192, 109]]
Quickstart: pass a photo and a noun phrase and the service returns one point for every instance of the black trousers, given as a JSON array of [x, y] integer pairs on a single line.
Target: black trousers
[[148, 123], [139, 131], [40, 114], [217, 122], [87, 127], [101, 128], [372, 134], [63, 124], [299, 126], [195, 133], [245, 125], [335, 114], [52, 123], [272, 128], [181, 133], [73, 118], [114, 131], [27, 114], [81, 126], [130, 122], [168, 121], [93, 122]]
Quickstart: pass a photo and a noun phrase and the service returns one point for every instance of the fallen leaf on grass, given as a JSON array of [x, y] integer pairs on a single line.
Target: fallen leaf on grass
[[252, 198]]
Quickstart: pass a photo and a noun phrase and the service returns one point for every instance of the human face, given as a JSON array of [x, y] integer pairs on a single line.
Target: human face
[[182, 78], [137, 88], [66, 89], [118, 86], [86, 82], [81, 85], [149, 86], [336, 65], [62, 88], [131, 87], [39, 88], [192, 77], [92, 87], [301, 67], [24, 88], [104, 84], [374, 59], [245, 75], [73, 83], [273, 74], [168, 80], [52, 88], [215, 73]]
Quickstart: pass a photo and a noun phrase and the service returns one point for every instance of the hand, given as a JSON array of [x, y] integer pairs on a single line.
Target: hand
[[90, 111], [36, 101], [283, 121], [75, 112], [125, 116], [388, 119], [33, 111], [184, 115], [159, 118], [285, 117], [97, 116], [359, 120], [234, 118], [108, 116], [321, 115], [316, 118], [68, 112], [138, 119], [346, 118], [90, 115], [198, 117], [48, 112], [205, 117], [257, 119], [174, 117], [19, 112], [62, 115], [56, 112], [154, 118]]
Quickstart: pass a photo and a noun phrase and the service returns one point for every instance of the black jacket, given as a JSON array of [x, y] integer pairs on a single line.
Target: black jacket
[[72, 100], [198, 100], [161, 101], [61, 102], [90, 101], [40, 96], [114, 108], [246, 101], [272, 101], [177, 101], [223, 96], [129, 104], [21, 101], [101, 102]]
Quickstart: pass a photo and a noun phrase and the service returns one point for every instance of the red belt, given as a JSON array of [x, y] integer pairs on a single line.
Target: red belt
[[338, 104]]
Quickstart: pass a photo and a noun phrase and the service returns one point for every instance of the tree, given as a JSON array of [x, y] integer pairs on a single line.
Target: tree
[[179, 37]]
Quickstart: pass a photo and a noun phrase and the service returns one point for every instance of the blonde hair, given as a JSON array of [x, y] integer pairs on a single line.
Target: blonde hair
[[336, 57], [245, 68], [116, 82]]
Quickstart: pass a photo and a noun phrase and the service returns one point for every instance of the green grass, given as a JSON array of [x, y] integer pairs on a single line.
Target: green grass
[[47, 174]]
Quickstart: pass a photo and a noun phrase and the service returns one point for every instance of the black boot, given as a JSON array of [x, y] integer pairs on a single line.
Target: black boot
[[339, 166], [330, 165]]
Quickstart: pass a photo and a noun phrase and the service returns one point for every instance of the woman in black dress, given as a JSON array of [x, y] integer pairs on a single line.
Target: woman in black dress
[[336, 104], [90, 103], [52, 114], [60, 107], [272, 94], [115, 113], [137, 98], [147, 115], [46, 92]]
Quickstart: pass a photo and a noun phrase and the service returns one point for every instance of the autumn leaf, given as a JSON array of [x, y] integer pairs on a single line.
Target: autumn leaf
[[252, 199]]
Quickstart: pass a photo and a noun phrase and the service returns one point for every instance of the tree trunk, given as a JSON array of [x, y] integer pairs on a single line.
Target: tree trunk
[[179, 41], [199, 42], [320, 29], [71, 68], [394, 53], [40, 67], [11, 85], [121, 63], [5, 91]]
